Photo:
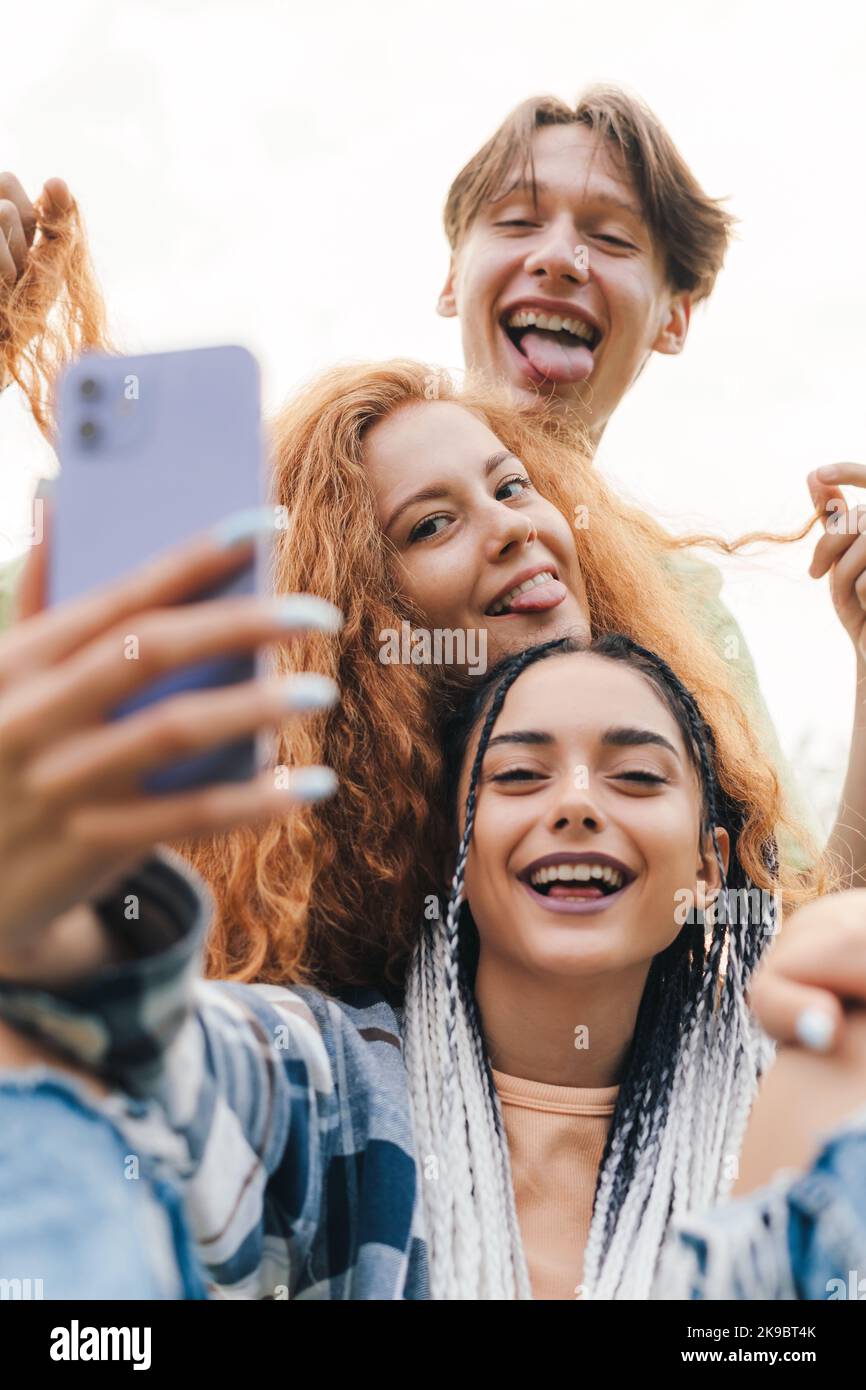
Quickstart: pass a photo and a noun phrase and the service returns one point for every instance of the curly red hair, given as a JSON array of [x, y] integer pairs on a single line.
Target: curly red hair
[[55, 310]]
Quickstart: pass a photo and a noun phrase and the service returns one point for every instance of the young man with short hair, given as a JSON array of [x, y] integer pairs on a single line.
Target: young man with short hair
[[590, 218]]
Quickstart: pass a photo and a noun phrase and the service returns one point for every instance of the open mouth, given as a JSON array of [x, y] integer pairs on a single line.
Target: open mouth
[[576, 882], [556, 347], [537, 593]]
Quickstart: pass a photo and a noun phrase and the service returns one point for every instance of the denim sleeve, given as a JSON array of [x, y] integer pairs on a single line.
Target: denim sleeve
[[81, 1217], [803, 1236], [827, 1221]]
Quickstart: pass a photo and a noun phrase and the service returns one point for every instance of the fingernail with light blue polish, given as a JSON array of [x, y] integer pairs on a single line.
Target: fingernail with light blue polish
[[814, 1029], [308, 611], [309, 690], [243, 526], [313, 783]]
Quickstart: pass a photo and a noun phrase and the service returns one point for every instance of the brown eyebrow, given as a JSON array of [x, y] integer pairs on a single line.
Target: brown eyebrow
[[624, 737], [636, 738], [436, 490], [521, 737], [608, 199], [530, 736]]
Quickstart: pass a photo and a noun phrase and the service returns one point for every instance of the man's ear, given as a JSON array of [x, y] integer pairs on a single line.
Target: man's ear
[[709, 878], [672, 335], [447, 302]]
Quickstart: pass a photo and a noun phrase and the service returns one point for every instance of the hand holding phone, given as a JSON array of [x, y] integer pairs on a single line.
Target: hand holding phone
[[73, 816]]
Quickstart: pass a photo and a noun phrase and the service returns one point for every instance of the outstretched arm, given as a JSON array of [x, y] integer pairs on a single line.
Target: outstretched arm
[[841, 553], [797, 1226], [810, 995]]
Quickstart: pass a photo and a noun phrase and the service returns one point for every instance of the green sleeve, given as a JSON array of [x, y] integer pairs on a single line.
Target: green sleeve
[[703, 582], [10, 573]]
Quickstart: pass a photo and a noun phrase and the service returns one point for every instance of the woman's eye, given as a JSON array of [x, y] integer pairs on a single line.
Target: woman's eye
[[422, 531], [520, 481], [516, 774], [516, 222], [640, 776]]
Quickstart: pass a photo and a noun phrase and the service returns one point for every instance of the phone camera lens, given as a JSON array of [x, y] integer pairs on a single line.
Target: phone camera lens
[[88, 431], [89, 388]]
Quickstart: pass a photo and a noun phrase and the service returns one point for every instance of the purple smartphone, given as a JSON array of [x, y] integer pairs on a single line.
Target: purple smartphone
[[154, 449]]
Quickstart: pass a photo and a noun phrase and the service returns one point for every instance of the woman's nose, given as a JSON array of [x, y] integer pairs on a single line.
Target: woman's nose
[[508, 531], [576, 806]]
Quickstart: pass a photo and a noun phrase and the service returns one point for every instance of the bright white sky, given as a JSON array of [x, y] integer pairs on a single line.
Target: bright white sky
[[273, 174]]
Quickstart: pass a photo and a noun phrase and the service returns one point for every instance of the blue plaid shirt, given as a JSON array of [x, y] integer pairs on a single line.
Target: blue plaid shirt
[[285, 1114]]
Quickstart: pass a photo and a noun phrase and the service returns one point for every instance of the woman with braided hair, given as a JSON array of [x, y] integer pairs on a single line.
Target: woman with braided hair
[[685, 1052], [347, 1149]]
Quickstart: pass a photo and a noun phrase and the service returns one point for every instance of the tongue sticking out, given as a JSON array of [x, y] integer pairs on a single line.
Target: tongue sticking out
[[584, 891], [554, 357], [537, 599]]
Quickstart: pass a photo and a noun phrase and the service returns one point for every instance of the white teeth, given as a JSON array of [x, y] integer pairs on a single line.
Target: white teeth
[[553, 323], [580, 873], [501, 604]]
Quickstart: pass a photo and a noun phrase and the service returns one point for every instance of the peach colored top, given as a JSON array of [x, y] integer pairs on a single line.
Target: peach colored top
[[556, 1137]]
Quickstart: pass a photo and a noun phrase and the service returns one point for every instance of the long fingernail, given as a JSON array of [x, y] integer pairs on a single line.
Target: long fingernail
[[313, 783], [242, 526], [814, 1029], [309, 690], [308, 611]]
